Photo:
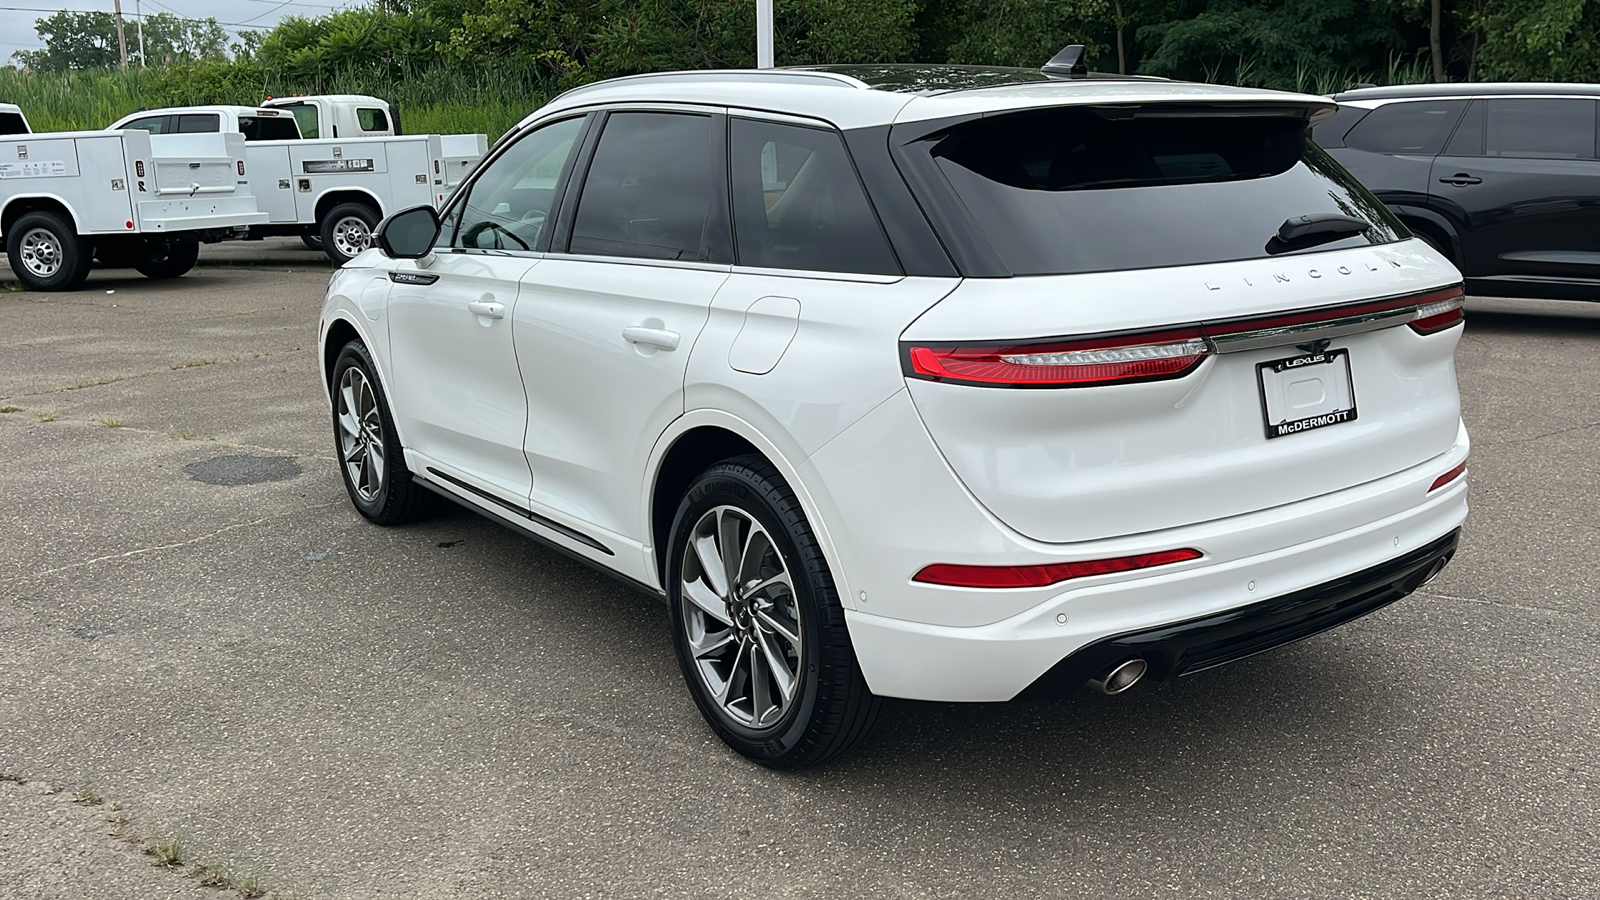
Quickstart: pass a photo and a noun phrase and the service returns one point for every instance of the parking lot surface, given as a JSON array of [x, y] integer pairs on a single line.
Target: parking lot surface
[[196, 625]]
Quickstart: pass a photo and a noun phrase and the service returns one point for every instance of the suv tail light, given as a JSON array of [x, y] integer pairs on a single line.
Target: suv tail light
[[1448, 477], [1168, 353], [952, 575], [1116, 360]]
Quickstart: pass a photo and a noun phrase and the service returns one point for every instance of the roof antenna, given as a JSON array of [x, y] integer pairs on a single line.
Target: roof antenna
[[1067, 64]]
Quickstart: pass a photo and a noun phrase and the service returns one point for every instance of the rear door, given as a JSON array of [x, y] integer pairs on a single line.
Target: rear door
[[1391, 148], [604, 329], [1139, 361], [1522, 179]]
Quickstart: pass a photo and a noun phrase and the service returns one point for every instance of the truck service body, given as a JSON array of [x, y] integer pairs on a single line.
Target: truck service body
[[331, 191], [126, 198]]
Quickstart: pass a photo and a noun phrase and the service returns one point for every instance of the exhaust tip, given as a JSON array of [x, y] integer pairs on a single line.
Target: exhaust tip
[[1120, 677]]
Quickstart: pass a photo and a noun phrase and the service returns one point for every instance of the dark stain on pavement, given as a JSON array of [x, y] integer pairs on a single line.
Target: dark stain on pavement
[[244, 468]]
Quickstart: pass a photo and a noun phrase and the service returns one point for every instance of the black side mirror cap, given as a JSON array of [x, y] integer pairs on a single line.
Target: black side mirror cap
[[409, 233]]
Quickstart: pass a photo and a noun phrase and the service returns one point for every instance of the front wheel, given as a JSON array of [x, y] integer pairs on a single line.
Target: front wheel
[[46, 253], [757, 625], [347, 231], [370, 458], [166, 259]]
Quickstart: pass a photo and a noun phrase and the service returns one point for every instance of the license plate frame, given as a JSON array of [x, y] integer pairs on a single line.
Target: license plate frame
[[1275, 379]]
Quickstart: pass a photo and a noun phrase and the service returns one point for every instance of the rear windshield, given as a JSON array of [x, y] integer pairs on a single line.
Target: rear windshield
[[268, 128], [12, 123], [1065, 191]]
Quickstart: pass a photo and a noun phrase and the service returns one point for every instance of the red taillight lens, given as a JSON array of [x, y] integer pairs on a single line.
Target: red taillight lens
[[1144, 357], [952, 575], [1448, 477], [1439, 315], [241, 166]]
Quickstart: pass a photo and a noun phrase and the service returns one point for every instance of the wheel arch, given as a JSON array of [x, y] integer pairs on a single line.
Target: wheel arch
[[17, 207], [1423, 220], [700, 439], [335, 196]]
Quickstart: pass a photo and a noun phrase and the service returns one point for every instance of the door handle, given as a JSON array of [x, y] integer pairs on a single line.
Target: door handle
[[486, 309], [1461, 178], [655, 337]]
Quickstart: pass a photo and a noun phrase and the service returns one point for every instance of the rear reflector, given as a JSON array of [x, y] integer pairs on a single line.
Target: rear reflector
[[1043, 575], [1143, 357], [1448, 477]]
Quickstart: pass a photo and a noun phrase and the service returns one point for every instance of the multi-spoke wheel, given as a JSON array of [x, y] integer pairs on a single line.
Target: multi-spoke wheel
[[757, 623], [46, 253], [370, 460], [347, 231]]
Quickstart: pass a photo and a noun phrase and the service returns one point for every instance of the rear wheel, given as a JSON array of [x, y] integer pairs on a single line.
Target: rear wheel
[[312, 242], [166, 259], [757, 625], [370, 458], [347, 231], [46, 253]]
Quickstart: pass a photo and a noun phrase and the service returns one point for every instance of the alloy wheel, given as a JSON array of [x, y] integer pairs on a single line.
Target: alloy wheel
[[361, 435], [741, 617]]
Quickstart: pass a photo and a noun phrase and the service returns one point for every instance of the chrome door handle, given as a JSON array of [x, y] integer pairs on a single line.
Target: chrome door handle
[[655, 337], [486, 309]]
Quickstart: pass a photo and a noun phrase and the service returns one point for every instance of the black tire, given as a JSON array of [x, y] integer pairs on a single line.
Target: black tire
[[391, 498], [46, 254], [166, 259], [831, 710], [333, 229], [312, 242]]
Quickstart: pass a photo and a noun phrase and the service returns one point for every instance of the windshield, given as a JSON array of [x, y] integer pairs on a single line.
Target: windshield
[[1061, 191]]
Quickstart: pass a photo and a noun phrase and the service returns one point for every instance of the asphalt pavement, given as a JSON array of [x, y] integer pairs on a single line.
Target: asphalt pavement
[[197, 627]]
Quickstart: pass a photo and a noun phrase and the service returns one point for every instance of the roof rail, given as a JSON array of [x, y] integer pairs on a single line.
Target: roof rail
[[742, 76]]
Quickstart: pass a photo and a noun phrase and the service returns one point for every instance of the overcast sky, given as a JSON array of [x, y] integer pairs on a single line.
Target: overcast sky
[[16, 25]]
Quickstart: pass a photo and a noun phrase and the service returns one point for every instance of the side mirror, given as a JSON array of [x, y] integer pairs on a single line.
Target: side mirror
[[409, 233]]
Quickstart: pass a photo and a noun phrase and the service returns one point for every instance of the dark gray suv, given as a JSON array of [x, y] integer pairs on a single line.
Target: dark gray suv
[[1504, 179]]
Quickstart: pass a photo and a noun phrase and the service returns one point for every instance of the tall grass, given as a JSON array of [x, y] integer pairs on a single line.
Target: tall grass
[[436, 99]]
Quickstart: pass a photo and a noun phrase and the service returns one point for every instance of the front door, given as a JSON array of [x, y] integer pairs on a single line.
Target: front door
[[452, 351]]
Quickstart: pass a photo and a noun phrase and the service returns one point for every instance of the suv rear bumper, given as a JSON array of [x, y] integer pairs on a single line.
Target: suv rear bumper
[[1198, 644]]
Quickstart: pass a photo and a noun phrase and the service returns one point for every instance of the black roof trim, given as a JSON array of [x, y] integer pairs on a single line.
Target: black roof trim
[[1468, 89]]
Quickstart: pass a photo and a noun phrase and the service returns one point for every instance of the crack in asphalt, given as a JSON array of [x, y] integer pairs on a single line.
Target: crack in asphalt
[[1503, 605], [195, 540], [1539, 437], [175, 367]]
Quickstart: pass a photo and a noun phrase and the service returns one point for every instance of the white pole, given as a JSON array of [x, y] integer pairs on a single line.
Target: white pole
[[764, 34], [140, 16], [122, 43]]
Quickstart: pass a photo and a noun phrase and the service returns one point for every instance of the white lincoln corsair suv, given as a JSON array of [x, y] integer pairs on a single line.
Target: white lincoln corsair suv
[[944, 383]]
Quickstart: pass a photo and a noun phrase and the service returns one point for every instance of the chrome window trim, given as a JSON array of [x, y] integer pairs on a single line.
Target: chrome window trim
[[1296, 334]]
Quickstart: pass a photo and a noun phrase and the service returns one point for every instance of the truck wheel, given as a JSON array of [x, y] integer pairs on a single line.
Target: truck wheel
[[312, 242], [166, 259], [347, 230], [46, 253]]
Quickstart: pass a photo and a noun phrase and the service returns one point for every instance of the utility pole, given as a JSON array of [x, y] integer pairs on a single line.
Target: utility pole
[[139, 14], [763, 34], [122, 42]]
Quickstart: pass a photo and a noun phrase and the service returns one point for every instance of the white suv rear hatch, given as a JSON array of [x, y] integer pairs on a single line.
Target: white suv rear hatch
[[1205, 317]]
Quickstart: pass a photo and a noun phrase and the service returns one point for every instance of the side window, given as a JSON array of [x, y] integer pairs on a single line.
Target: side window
[[1468, 139], [797, 203], [305, 115], [507, 207], [372, 119], [649, 189], [268, 128], [199, 123], [152, 124], [1411, 128], [1529, 128]]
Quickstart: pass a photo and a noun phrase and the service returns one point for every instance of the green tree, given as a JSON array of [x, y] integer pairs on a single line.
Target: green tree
[[73, 40]]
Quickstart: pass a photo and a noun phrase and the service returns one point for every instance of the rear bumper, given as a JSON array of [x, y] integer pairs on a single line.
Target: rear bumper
[[1209, 641]]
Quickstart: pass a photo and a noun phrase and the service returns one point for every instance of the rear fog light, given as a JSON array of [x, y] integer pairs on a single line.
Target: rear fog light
[[951, 575]]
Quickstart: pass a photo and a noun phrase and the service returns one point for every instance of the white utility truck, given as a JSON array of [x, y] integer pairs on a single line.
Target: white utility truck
[[339, 115], [12, 121], [124, 198], [330, 191]]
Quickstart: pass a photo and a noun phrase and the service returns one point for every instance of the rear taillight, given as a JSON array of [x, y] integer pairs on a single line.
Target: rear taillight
[[1143, 357], [951, 575], [1439, 315], [1448, 477]]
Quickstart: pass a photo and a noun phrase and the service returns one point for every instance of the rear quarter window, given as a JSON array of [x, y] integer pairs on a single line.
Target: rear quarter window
[[12, 123], [1065, 191], [372, 119], [1413, 128]]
